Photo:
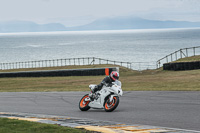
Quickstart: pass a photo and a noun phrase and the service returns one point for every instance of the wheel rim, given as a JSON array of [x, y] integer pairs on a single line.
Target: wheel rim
[[111, 104], [84, 103]]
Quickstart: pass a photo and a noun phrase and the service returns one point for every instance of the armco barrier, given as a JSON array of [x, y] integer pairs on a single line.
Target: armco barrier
[[63, 72], [178, 66]]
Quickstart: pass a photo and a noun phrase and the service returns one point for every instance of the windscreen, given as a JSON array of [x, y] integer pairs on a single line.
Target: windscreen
[[118, 83]]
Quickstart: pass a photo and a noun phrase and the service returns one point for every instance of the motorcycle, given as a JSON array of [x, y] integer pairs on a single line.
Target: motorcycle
[[107, 98]]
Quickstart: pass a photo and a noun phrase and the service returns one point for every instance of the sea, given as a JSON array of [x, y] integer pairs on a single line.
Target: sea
[[136, 46]]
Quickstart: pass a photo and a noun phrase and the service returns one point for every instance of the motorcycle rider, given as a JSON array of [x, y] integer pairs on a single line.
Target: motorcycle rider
[[114, 75]]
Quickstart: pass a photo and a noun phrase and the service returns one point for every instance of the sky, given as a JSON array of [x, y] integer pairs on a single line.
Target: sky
[[80, 12]]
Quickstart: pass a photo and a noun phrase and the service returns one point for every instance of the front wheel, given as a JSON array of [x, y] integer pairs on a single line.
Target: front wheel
[[83, 105], [109, 106]]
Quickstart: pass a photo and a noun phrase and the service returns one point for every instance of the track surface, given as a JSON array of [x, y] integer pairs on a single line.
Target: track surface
[[156, 108]]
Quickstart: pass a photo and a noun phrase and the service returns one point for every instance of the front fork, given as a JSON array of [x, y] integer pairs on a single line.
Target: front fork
[[111, 98]]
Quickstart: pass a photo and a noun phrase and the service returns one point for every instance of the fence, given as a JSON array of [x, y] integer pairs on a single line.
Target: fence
[[185, 52], [76, 61]]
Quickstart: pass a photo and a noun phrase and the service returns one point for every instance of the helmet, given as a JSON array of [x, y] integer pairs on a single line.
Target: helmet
[[114, 75]]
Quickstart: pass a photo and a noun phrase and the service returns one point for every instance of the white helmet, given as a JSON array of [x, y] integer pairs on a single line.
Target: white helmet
[[114, 75]]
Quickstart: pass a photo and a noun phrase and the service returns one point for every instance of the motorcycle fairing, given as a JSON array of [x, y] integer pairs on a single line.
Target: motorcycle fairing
[[99, 103]]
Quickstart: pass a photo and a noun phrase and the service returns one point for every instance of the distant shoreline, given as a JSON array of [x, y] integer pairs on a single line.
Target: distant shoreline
[[97, 31]]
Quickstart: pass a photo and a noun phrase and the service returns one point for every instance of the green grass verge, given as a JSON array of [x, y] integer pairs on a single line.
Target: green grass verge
[[189, 59], [148, 80], [19, 126]]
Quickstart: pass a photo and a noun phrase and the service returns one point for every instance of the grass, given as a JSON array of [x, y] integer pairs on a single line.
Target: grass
[[148, 80], [19, 126], [189, 59]]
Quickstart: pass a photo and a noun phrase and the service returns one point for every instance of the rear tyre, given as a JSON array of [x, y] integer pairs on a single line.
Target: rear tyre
[[110, 106], [83, 105]]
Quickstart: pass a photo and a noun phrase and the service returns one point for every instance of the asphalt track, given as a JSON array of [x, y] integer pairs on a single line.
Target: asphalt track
[[172, 109]]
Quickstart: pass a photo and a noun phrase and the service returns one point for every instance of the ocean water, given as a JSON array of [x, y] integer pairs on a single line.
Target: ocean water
[[145, 46]]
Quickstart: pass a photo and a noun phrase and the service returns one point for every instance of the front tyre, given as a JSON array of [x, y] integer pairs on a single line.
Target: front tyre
[[83, 105], [109, 106]]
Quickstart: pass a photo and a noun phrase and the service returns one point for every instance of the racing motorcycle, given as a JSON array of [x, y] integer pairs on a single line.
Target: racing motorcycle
[[107, 98]]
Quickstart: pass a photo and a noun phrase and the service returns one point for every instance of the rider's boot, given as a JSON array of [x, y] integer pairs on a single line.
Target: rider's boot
[[92, 96]]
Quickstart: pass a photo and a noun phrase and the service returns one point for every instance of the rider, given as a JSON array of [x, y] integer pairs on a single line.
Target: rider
[[114, 75]]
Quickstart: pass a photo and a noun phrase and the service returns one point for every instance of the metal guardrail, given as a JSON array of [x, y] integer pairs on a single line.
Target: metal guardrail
[[181, 53], [184, 52], [76, 61]]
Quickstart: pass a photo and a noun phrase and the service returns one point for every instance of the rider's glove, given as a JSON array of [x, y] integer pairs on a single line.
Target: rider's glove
[[109, 85]]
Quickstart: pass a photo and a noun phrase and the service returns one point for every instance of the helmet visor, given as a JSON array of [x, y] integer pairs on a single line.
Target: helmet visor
[[116, 77]]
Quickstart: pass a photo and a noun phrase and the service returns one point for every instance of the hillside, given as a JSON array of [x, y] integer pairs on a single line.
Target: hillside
[[189, 59], [148, 80], [114, 23], [27, 26], [130, 22]]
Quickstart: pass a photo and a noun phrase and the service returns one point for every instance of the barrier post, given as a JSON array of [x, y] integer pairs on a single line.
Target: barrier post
[[186, 52], [167, 59], [181, 53], [171, 58]]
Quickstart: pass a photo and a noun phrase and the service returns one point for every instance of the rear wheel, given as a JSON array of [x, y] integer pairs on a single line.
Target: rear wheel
[[83, 105], [109, 106]]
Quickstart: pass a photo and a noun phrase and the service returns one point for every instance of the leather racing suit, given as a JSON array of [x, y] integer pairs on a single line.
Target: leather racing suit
[[106, 80]]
